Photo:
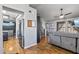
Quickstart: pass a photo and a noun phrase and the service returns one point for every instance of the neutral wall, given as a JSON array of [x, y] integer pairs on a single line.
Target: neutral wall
[[30, 33], [1, 37], [43, 22]]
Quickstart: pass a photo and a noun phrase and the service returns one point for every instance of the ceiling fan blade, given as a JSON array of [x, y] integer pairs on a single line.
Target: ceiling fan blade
[[68, 13]]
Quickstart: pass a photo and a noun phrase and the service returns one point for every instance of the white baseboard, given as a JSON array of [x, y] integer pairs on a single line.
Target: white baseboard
[[30, 45]]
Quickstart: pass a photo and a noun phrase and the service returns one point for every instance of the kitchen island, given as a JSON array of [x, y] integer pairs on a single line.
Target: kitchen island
[[69, 41]]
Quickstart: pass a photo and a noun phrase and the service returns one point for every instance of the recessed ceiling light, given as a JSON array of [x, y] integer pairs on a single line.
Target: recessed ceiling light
[[4, 11], [5, 17]]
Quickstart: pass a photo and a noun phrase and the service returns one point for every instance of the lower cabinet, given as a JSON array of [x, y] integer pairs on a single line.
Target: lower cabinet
[[68, 43], [56, 40], [50, 38], [64, 42], [78, 46]]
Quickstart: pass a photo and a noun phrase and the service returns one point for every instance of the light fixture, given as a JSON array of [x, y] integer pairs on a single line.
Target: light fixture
[[4, 11], [5, 17], [61, 16]]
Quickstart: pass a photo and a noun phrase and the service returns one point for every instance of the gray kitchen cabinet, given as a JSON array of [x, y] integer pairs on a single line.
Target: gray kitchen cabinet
[[78, 46], [50, 38], [68, 43], [56, 40]]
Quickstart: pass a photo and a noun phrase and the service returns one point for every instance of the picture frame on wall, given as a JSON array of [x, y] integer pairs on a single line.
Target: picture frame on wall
[[31, 23]]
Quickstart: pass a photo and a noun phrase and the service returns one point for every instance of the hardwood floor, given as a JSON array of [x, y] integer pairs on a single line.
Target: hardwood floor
[[12, 46], [44, 48]]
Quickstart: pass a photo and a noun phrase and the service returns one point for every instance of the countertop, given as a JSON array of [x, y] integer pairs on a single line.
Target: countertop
[[66, 34]]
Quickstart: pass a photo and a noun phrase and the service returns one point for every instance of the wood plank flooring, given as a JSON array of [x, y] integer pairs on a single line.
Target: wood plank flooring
[[12, 47], [44, 48]]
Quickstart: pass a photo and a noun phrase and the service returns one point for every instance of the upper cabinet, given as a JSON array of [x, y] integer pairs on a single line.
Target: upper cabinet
[[51, 26]]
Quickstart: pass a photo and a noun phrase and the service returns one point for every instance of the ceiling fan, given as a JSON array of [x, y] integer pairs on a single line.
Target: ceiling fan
[[63, 15]]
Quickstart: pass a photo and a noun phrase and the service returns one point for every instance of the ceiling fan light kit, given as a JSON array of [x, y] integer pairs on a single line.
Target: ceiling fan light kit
[[61, 16]]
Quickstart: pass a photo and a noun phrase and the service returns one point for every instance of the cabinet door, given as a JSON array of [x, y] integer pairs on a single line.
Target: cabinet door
[[69, 43], [78, 46], [56, 40], [50, 38]]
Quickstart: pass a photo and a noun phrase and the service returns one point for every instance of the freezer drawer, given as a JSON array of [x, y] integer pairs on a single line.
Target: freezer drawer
[[68, 43]]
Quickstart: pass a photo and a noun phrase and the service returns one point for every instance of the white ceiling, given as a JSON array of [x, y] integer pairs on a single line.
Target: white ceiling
[[12, 13], [49, 11]]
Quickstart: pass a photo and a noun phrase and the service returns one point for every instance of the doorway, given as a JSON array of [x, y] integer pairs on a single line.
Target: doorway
[[12, 29], [21, 33]]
